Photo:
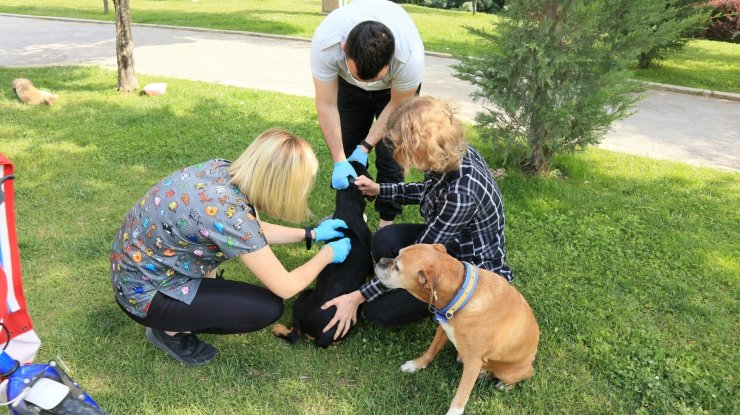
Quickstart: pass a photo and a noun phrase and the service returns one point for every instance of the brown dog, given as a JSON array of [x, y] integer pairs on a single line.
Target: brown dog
[[495, 332], [28, 93]]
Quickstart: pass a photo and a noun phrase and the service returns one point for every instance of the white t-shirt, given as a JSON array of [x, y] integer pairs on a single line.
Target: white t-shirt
[[327, 57]]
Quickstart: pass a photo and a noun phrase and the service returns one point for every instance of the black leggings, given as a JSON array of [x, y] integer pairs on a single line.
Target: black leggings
[[219, 307], [396, 307]]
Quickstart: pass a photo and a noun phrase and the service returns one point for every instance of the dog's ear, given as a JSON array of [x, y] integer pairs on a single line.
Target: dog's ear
[[440, 248], [427, 277], [422, 277]]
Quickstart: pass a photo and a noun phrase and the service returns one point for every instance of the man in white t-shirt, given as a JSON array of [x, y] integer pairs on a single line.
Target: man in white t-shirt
[[366, 59]]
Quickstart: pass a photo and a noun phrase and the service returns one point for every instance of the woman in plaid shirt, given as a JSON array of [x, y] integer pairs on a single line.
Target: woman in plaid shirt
[[458, 199]]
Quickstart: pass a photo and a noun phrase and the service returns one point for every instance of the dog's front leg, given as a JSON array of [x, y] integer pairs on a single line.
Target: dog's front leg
[[440, 340], [471, 368]]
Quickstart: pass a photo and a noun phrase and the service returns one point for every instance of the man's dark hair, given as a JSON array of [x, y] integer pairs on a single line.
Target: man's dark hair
[[371, 45]]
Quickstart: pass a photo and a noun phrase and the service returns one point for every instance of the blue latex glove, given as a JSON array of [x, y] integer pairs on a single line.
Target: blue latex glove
[[359, 156], [329, 229], [341, 250], [342, 169]]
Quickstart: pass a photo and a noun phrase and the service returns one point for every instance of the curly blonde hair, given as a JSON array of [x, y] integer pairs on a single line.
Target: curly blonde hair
[[427, 135], [276, 172]]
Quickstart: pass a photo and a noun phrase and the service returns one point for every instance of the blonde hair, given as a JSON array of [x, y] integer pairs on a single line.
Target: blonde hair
[[427, 136], [276, 172]]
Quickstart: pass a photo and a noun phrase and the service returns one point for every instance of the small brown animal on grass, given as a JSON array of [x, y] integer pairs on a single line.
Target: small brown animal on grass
[[494, 329], [28, 93]]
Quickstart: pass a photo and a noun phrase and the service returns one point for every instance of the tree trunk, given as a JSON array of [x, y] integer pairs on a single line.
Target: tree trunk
[[644, 60], [538, 161], [537, 164], [475, 6], [539, 129], [105, 6], [124, 47], [327, 6], [554, 11]]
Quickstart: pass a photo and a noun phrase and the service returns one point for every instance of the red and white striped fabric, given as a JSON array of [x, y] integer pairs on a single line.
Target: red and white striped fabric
[[24, 343]]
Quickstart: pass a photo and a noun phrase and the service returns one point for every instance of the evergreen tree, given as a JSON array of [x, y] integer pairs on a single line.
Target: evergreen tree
[[555, 76], [671, 27]]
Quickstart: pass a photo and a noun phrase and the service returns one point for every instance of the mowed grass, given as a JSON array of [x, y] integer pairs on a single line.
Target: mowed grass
[[441, 30], [702, 64], [632, 267]]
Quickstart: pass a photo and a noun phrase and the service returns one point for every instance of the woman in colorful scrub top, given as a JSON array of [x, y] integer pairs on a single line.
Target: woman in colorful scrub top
[[170, 243]]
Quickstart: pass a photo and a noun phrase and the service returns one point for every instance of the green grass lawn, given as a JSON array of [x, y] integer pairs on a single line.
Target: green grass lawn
[[631, 265], [703, 64], [442, 30]]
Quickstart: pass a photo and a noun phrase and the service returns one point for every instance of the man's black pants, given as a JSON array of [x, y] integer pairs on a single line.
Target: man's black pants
[[357, 110]]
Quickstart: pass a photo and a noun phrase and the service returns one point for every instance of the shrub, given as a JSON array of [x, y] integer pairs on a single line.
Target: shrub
[[555, 75], [724, 21], [491, 6], [671, 26]]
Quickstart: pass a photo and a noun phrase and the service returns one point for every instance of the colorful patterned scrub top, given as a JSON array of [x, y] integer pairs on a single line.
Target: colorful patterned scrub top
[[185, 226]]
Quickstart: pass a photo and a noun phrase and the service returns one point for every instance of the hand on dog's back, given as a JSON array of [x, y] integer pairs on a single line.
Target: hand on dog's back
[[336, 279]]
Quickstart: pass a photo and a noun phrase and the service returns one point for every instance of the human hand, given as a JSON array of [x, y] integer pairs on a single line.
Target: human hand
[[367, 186], [341, 250], [346, 315], [329, 229], [342, 169], [359, 155]]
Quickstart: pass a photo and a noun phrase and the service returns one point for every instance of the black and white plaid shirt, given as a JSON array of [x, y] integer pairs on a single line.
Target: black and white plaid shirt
[[462, 210]]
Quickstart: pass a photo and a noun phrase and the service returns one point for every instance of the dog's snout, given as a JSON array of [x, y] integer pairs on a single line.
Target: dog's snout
[[385, 262]]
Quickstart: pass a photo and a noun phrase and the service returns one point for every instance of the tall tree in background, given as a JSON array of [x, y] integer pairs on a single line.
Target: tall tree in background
[[125, 47], [671, 27], [555, 76]]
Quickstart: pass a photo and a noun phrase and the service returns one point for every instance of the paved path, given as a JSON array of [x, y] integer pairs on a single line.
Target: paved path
[[666, 125]]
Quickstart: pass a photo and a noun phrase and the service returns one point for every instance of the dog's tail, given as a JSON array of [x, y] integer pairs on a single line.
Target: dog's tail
[[292, 336]]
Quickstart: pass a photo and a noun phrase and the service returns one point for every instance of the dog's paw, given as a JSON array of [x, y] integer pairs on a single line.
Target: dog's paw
[[455, 411], [410, 367], [280, 330], [505, 387]]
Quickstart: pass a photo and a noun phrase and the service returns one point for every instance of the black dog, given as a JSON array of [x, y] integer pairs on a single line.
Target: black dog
[[334, 279]]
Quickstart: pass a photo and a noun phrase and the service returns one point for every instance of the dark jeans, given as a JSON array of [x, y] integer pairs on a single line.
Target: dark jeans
[[357, 110], [397, 307], [219, 307]]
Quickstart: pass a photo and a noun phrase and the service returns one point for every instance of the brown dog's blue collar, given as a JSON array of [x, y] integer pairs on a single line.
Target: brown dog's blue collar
[[462, 296]]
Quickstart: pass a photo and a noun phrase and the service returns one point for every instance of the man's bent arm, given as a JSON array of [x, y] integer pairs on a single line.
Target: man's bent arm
[[377, 132], [328, 113]]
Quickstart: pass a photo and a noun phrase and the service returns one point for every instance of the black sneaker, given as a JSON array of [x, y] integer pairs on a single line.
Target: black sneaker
[[186, 348]]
